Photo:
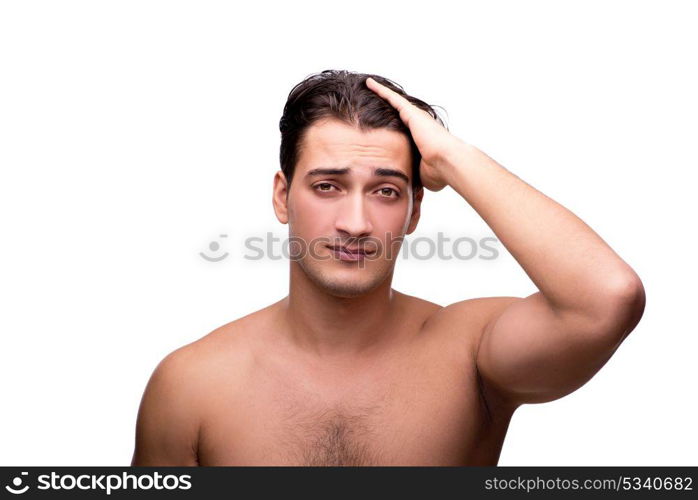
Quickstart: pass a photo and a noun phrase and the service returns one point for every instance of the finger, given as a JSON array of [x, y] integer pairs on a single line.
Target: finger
[[395, 99]]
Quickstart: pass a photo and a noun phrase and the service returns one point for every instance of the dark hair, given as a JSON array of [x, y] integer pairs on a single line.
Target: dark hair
[[343, 95]]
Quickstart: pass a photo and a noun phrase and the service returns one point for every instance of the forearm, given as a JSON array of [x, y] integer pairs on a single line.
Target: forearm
[[569, 263]]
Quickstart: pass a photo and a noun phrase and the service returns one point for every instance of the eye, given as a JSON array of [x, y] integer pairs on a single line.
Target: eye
[[387, 190], [323, 185]]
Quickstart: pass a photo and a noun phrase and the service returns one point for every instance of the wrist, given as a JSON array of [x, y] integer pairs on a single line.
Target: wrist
[[455, 158]]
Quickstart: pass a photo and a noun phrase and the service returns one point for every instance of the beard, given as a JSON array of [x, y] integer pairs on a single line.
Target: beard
[[335, 282]]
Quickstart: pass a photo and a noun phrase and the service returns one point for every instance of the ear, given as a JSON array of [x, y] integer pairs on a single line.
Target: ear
[[280, 197], [416, 210]]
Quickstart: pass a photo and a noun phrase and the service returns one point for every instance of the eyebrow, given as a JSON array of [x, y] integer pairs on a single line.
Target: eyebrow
[[382, 172]]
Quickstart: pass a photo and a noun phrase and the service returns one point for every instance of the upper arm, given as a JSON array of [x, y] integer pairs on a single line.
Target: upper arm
[[167, 425], [530, 352]]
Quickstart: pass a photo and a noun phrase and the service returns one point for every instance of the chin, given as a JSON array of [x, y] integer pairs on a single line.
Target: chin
[[347, 290], [342, 286]]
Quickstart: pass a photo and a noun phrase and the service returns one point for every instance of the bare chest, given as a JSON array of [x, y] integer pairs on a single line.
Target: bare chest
[[421, 411]]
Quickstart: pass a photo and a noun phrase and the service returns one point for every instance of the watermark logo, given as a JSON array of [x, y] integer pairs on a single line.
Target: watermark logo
[[16, 487], [214, 247], [101, 483], [441, 246]]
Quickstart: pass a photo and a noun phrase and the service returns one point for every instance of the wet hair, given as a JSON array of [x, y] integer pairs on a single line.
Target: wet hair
[[343, 95]]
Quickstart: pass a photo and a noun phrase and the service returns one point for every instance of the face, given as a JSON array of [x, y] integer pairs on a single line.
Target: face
[[350, 189]]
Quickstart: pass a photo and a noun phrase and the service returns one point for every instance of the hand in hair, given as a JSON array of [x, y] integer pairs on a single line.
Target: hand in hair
[[434, 142]]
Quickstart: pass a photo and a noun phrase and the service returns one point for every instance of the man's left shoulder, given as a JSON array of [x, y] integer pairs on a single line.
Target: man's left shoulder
[[459, 328], [467, 318]]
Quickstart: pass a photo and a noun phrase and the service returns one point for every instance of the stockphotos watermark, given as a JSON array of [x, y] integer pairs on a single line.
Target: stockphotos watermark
[[105, 483], [272, 247]]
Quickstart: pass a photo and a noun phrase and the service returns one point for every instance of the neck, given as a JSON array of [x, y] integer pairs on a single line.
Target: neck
[[324, 324]]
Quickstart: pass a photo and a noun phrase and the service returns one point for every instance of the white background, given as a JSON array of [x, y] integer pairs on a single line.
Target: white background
[[132, 134]]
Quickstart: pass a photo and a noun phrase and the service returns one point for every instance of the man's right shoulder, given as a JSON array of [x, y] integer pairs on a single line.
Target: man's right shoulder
[[183, 385], [220, 355], [168, 422], [228, 345]]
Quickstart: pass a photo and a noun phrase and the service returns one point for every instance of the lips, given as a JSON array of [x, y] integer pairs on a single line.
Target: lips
[[352, 251], [350, 254]]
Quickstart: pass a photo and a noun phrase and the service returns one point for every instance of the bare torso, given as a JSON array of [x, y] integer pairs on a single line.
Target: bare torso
[[417, 403]]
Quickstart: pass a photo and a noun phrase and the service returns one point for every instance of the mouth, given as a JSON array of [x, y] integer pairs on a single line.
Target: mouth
[[346, 253]]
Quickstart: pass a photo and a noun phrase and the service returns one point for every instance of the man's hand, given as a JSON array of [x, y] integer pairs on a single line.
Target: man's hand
[[433, 140]]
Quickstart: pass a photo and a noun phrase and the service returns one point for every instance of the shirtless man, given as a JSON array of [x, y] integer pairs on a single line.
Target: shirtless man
[[346, 370]]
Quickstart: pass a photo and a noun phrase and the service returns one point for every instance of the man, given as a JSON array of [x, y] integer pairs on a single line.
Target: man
[[346, 370]]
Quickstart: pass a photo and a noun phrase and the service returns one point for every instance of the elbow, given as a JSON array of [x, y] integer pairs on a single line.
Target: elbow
[[628, 292], [624, 305]]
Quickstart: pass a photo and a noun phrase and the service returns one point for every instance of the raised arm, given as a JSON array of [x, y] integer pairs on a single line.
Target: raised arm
[[167, 424], [548, 344]]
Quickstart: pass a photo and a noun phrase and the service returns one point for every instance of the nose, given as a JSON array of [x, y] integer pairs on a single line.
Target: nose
[[353, 218]]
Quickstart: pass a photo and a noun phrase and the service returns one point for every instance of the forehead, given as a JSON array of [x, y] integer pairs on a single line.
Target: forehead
[[330, 142]]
